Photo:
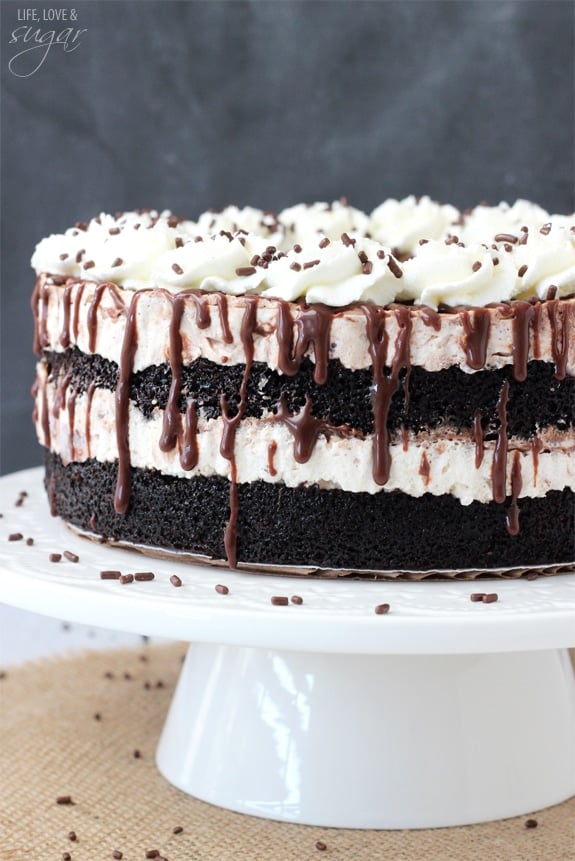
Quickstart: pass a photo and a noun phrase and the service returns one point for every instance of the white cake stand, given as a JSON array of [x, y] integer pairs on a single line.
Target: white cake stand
[[441, 712]]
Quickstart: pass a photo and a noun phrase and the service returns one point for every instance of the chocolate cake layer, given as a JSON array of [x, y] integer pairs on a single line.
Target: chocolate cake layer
[[423, 400], [309, 526]]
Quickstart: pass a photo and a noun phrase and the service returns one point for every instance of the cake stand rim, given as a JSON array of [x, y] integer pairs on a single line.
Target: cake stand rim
[[332, 626]]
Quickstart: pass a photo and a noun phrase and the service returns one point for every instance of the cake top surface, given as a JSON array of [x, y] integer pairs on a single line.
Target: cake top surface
[[413, 249]]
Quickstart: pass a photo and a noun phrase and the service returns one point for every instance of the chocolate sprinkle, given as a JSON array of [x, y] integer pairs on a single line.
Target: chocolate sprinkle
[[477, 596], [295, 266], [381, 609], [347, 240], [55, 557], [126, 578], [71, 557], [89, 264], [531, 823], [117, 262], [137, 754], [144, 576], [245, 270], [522, 270], [15, 536], [490, 598], [175, 580], [296, 599], [72, 836], [476, 266], [117, 855], [177, 269], [221, 589], [177, 829], [110, 575], [367, 267], [66, 856], [113, 231], [29, 542], [505, 237], [394, 267], [324, 242], [152, 853], [279, 600], [320, 846], [64, 799], [545, 229]]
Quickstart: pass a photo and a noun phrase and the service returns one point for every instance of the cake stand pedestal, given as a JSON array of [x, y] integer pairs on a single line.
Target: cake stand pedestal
[[441, 712]]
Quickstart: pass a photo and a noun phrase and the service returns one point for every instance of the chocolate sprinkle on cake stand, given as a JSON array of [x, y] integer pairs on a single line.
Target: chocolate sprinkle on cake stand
[[327, 688], [47, 726]]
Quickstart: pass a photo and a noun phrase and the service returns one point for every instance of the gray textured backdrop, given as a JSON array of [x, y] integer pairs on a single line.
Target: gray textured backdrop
[[188, 105]]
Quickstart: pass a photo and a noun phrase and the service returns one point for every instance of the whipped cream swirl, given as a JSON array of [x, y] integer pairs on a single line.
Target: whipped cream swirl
[[329, 253]]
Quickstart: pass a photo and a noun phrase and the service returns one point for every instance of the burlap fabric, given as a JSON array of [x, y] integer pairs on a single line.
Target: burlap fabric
[[87, 728]]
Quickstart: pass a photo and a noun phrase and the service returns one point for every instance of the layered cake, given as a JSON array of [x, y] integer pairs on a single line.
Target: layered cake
[[324, 390]]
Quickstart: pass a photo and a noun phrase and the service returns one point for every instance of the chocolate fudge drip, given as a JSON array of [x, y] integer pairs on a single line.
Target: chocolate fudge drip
[[66, 308], [87, 430], [512, 518], [92, 316], [304, 427], [203, 315], [40, 302], [313, 326], [189, 450], [222, 301], [499, 463], [272, 448], [177, 430], [478, 440], [231, 423], [560, 335], [34, 304], [129, 346], [71, 406], [384, 384], [45, 417], [80, 287], [60, 396], [523, 316], [476, 325], [172, 421]]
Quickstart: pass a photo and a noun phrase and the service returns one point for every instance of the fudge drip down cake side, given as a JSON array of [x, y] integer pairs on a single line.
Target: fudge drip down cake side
[[320, 389]]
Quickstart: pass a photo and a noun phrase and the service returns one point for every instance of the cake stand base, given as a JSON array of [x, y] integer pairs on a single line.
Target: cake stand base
[[372, 741]]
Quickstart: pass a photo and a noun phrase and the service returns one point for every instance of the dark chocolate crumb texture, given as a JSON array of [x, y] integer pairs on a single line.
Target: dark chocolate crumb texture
[[319, 389]]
